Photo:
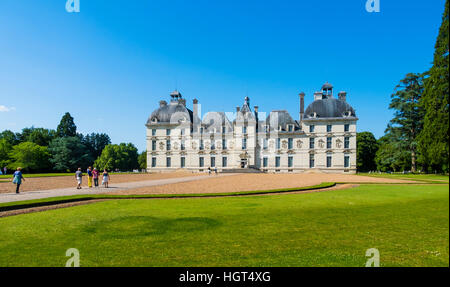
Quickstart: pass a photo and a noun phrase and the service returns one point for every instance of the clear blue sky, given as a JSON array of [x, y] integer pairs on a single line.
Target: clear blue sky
[[110, 64]]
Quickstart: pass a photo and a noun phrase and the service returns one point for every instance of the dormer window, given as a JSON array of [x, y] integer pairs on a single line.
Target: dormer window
[[290, 128]]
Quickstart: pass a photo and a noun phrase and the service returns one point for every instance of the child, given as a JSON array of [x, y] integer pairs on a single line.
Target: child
[[79, 176], [17, 179], [105, 178], [95, 176]]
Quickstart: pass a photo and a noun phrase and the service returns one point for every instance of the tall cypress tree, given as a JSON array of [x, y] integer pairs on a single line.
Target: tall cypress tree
[[433, 140]]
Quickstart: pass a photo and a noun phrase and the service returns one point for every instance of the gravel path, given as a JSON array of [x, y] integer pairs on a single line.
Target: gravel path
[[10, 197]]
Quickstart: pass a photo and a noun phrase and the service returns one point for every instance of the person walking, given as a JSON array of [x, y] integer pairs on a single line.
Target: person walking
[[79, 177], [17, 179], [215, 170], [209, 170], [89, 174], [5, 169], [106, 178], [95, 174]]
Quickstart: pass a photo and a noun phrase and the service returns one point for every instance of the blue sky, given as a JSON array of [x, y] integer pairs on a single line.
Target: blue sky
[[111, 64]]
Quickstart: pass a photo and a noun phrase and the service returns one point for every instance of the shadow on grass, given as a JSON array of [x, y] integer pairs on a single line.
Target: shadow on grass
[[142, 226]]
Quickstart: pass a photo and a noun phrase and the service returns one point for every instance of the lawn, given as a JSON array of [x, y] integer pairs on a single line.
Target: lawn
[[408, 224], [432, 178]]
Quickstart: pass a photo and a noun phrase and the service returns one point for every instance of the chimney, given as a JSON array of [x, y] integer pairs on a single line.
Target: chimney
[[318, 96], [195, 113], [302, 105], [238, 109], [342, 96], [162, 104]]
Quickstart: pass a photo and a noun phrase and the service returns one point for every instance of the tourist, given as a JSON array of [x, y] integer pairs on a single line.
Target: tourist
[[5, 169], [89, 174], [17, 178], [105, 178], [95, 174], [79, 177], [209, 170], [215, 170]]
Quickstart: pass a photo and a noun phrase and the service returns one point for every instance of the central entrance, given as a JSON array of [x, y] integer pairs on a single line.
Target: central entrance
[[243, 163]]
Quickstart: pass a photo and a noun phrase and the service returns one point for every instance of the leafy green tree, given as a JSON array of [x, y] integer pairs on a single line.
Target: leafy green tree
[[30, 157], [66, 127], [5, 149], [366, 150], [95, 143], [142, 160], [392, 155], [123, 157], [408, 117], [433, 140], [39, 136], [68, 154], [10, 137]]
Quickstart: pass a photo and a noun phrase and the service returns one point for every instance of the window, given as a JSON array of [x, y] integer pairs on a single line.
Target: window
[[328, 128], [278, 143], [183, 145], [265, 143], [311, 128], [213, 145], [346, 161], [213, 161], [224, 144], [277, 161], [290, 128], [168, 162], [201, 130], [244, 129], [244, 143], [224, 130], [265, 162], [329, 142], [168, 146], [202, 146], [153, 132], [311, 142], [311, 160], [346, 127], [346, 142], [290, 161], [153, 145], [224, 161], [183, 162], [290, 143], [182, 132], [153, 161], [167, 132], [201, 162], [266, 129], [329, 161]]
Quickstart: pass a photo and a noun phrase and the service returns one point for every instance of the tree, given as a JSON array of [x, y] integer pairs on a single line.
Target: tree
[[68, 154], [366, 151], [392, 155], [30, 157], [433, 140], [10, 137], [142, 160], [95, 143], [123, 157], [5, 149], [408, 117], [66, 127], [39, 136]]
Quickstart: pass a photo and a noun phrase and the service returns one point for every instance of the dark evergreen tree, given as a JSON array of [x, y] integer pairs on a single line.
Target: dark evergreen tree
[[66, 127], [434, 140], [69, 153], [408, 117], [366, 150]]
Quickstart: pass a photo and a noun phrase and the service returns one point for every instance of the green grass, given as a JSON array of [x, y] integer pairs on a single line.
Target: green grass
[[409, 224], [428, 178], [65, 199]]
